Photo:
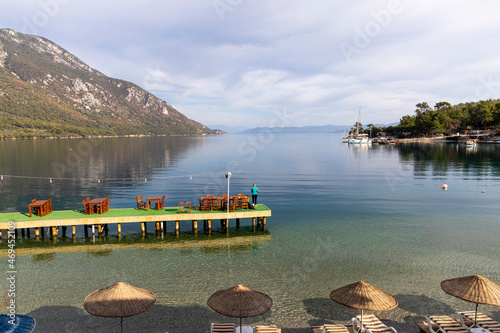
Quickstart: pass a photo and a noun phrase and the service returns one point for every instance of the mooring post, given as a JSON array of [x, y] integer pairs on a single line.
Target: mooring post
[[37, 234], [73, 230], [237, 223], [195, 227], [143, 228], [54, 232], [209, 225]]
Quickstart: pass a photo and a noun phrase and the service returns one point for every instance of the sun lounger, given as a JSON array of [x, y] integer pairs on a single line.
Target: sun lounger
[[371, 324], [223, 328], [330, 328], [267, 329], [467, 320], [445, 324], [338, 328]]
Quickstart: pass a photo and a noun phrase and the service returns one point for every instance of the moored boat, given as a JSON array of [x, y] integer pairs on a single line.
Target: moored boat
[[470, 143]]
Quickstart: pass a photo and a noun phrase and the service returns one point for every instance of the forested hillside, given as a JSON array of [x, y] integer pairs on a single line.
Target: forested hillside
[[47, 91]]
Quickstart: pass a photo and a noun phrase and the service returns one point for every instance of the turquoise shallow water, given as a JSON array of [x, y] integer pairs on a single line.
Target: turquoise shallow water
[[340, 214]]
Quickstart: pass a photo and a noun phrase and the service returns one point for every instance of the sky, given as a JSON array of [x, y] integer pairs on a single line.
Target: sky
[[281, 63]]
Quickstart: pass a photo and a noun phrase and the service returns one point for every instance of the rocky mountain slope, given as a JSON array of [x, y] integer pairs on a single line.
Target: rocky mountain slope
[[47, 91]]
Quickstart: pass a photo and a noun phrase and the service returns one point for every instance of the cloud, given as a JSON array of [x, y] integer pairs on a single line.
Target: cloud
[[239, 62]]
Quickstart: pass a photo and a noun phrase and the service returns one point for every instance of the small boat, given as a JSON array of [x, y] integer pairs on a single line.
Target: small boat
[[470, 143]]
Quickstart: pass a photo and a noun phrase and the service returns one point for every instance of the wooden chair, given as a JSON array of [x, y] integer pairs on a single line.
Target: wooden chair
[[205, 204], [162, 204], [244, 202], [140, 204], [87, 207], [35, 209], [50, 205], [237, 202], [106, 204], [223, 201], [232, 203], [214, 203]]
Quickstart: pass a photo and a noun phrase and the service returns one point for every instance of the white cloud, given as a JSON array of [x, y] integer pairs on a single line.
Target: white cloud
[[244, 63]]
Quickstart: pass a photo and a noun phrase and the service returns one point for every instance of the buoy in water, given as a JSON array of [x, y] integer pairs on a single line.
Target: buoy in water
[[484, 191], [444, 187]]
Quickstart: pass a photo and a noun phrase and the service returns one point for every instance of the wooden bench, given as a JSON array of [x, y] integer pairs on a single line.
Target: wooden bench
[[186, 204]]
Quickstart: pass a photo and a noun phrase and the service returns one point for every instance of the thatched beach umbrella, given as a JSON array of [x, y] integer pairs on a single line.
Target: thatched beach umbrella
[[475, 288], [240, 301], [118, 301], [363, 296]]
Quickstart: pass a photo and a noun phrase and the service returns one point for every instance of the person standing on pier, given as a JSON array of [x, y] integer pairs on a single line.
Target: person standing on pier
[[255, 190]]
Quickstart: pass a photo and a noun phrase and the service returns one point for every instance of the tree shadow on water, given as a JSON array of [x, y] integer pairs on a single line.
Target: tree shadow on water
[[327, 311], [422, 305]]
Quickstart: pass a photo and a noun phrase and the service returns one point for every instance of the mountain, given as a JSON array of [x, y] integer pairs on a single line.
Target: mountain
[[228, 129], [297, 130], [304, 129], [47, 91]]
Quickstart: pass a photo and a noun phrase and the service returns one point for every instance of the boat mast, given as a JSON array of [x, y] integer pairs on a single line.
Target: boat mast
[[357, 123]]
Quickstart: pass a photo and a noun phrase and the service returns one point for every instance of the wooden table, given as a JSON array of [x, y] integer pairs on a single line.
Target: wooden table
[[101, 203], [42, 205], [181, 204], [153, 199]]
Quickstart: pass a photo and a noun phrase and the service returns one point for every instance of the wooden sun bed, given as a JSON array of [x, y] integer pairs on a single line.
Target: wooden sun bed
[[444, 324], [331, 328], [467, 320]]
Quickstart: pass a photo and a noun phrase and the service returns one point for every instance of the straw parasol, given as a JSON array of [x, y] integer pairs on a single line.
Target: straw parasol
[[17, 323], [240, 301], [363, 296], [119, 300], [475, 288]]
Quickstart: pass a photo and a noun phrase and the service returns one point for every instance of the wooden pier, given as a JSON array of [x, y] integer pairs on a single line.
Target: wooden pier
[[14, 222]]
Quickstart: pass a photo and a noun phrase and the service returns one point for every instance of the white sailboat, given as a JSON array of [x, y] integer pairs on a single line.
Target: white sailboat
[[360, 138]]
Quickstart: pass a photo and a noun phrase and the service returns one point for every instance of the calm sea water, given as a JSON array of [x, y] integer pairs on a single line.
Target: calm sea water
[[340, 214]]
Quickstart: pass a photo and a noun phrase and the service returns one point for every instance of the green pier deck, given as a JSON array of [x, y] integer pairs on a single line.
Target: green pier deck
[[125, 215]]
